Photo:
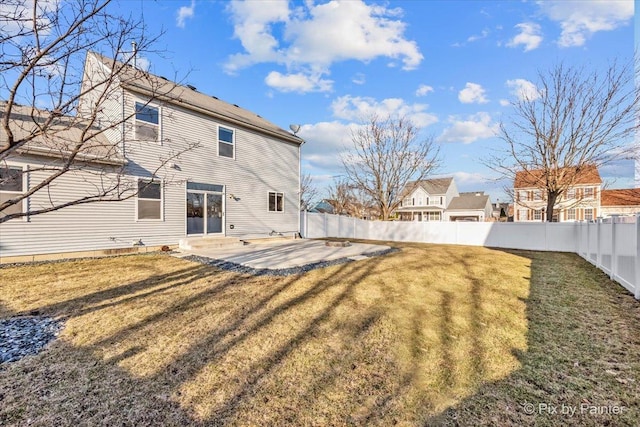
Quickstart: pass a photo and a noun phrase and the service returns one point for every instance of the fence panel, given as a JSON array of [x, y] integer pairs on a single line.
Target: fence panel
[[625, 255]]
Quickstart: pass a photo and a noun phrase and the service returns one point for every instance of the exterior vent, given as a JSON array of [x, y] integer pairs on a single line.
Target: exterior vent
[[192, 87], [214, 97], [164, 78], [236, 105]]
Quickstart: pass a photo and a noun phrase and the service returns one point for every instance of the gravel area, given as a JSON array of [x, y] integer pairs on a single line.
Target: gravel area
[[26, 335], [239, 268]]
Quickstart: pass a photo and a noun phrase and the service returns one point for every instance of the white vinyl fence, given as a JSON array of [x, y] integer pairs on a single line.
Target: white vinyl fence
[[611, 244]]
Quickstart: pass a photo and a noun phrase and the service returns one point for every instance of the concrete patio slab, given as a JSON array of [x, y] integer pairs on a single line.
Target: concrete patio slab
[[286, 254]]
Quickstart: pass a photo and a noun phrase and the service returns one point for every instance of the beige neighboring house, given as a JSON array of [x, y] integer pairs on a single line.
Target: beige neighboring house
[[438, 199], [580, 202], [622, 202]]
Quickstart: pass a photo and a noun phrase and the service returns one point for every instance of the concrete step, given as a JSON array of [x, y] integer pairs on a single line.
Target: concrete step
[[194, 243]]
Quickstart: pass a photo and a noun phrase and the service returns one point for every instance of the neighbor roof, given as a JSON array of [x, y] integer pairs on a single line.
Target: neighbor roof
[[468, 201], [622, 197], [59, 138], [587, 174], [188, 97], [432, 186]]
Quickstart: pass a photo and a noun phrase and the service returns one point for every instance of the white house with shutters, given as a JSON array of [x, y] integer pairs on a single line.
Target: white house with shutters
[[203, 167]]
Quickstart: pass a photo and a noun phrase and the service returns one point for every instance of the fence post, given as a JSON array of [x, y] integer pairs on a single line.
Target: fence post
[[637, 283], [326, 225], [599, 242], [354, 227], [588, 251], [614, 261]]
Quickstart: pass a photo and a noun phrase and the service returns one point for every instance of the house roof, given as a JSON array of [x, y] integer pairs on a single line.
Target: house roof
[[188, 97], [623, 197], [468, 202], [433, 186], [60, 137], [535, 178]]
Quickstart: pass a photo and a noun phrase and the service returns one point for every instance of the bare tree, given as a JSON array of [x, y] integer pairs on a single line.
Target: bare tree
[[574, 121], [341, 197], [49, 110], [387, 154], [308, 192]]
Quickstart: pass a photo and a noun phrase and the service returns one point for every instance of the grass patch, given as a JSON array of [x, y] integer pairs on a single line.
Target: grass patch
[[428, 335]]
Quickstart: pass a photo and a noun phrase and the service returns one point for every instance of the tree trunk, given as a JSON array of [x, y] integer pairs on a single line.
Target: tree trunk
[[552, 196]]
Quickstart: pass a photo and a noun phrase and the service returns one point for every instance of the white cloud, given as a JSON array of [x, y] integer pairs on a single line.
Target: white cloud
[[357, 109], [580, 20], [472, 93], [477, 126], [529, 36], [324, 142], [297, 82], [477, 37], [316, 36], [359, 79], [17, 17], [423, 90], [523, 89], [505, 102], [185, 12]]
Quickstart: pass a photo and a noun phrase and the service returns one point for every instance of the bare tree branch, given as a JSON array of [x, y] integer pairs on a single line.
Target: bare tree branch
[[386, 156], [575, 121]]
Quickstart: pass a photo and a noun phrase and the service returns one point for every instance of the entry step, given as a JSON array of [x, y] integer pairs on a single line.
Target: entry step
[[194, 243]]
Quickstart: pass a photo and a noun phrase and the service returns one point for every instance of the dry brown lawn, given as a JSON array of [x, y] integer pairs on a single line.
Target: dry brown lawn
[[429, 335]]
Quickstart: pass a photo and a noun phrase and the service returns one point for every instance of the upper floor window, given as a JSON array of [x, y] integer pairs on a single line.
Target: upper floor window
[[571, 193], [225, 142], [147, 122], [537, 195], [420, 201], [11, 185], [588, 193], [149, 199], [523, 195], [276, 202]]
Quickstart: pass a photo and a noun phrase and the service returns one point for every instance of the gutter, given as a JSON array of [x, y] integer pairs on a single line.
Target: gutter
[[89, 158]]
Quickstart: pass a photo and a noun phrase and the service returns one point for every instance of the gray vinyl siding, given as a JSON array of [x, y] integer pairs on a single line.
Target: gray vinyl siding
[[452, 192], [261, 164]]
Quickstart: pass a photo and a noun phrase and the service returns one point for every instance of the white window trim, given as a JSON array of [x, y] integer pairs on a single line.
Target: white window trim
[[590, 197], [147, 103], [25, 187], [159, 181], [569, 212], [283, 200], [223, 142]]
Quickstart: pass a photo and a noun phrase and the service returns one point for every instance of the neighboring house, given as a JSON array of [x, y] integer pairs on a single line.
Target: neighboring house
[[474, 206], [240, 177], [323, 206], [438, 199], [620, 202], [500, 211], [580, 202]]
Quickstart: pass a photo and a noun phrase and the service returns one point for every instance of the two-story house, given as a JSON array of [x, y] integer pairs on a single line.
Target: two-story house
[[438, 199], [235, 173], [581, 201]]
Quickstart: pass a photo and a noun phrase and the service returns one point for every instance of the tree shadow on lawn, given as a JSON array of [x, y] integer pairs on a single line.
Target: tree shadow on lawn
[[581, 365], [334, 346]]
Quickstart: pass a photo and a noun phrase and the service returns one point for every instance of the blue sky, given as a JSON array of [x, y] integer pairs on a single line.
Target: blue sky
[[450, 66]]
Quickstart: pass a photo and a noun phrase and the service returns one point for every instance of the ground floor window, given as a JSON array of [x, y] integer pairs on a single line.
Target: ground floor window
[[11, 185], [276, 201], [537, 215], [149, 202], [523, 214], [571, 214], [588, 214], [432, 216]]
